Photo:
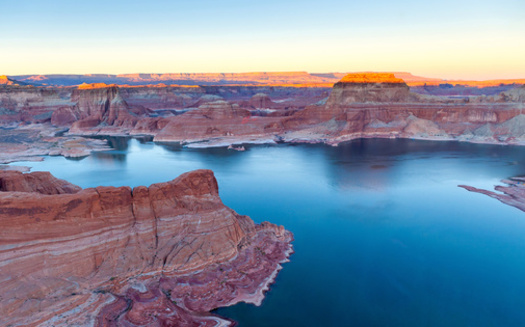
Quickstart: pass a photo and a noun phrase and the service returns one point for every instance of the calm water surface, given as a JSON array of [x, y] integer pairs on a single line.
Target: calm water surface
[[383, 235]]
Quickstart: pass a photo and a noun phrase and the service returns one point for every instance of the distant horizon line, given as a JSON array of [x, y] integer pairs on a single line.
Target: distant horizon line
[[261, 72]]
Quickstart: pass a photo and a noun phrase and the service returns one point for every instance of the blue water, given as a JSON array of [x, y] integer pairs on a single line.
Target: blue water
[[383, 235]]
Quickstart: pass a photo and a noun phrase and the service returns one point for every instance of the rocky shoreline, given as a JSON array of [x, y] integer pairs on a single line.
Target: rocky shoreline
[[112, 256], [360, 105], [513, 194]]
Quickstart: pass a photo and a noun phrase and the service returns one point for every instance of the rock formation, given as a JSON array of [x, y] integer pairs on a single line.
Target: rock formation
[[513, 194], [4, 80], [99, 106], [38, 182], [381, 105], [359, 105], [369, 87], [218, 119], [261, 101], [162, 255]]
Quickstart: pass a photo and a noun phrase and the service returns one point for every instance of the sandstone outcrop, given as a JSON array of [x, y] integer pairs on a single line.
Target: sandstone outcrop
[[101, 105], [359, 105], [381, 105], [31, 142], [115, 256], [4, 80], [369, 87], [513, 194], [261, 101], [38, 182], [218, 119]]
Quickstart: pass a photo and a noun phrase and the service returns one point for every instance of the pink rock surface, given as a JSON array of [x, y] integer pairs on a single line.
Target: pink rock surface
[[214, 120], [513, 194], [360, 105], [364, 106], [105, 256]]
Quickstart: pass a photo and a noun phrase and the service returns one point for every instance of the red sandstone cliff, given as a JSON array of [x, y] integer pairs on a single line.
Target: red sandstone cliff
[[360, 105], [97, 106], [218, 119], [113, 256], [381, 105]]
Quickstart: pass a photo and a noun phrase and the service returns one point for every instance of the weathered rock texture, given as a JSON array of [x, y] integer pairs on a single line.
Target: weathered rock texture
[[513, 194], [162, 255], [99, 106], [31, 142], [360, 105], [218, 119], [381, 105]]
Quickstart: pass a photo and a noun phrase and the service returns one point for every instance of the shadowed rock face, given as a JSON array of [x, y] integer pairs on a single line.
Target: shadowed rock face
[[369, 87], [100, 105], [147, 256]]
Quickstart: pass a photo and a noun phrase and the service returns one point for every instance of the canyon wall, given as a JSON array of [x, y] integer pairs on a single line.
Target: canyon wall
[[110, 256], [380, 105], [359, 105]]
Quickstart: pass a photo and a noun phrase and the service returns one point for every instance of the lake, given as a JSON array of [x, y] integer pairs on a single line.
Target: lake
[[383, 235]]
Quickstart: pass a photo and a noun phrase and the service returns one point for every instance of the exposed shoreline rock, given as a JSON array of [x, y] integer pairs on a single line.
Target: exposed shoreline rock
[[32, 142], [113, 256], [512, 195], [360, 105]]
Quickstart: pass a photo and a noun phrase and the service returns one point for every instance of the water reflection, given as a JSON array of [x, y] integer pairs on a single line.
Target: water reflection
[[383, 235]]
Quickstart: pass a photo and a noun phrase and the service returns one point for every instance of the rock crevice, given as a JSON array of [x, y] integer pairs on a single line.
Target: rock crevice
[[101, 242]]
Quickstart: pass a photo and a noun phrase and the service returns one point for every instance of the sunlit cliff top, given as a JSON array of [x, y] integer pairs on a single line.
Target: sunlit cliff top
[[371, 78], [86, 86]]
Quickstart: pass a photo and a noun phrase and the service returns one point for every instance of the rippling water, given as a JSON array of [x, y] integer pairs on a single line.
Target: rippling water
[[383, 235]]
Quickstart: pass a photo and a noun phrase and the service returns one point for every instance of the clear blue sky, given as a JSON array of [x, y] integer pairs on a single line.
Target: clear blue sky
[[451, 39]]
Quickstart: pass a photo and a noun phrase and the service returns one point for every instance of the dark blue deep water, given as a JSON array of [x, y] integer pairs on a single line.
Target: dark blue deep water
[[383, 235]]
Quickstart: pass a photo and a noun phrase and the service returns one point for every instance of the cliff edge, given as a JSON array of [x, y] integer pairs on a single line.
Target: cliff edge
[[113, 256]]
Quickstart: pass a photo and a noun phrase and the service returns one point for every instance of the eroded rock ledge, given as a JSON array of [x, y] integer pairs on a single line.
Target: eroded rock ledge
[[513, 194], [115, 256]]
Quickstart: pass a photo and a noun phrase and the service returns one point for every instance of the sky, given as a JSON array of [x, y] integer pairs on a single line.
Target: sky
[[453, 39]]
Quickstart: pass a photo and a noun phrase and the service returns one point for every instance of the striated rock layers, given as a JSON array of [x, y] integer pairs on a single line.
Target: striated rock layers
[[359, 105], [513, 194], [381, 105], [97, 106], [163, 255], [218, 120]]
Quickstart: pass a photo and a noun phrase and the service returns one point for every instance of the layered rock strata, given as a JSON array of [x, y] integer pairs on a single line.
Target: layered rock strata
[[360, 105], [31, 142], [115, 256], [381, 105], [218, 120]]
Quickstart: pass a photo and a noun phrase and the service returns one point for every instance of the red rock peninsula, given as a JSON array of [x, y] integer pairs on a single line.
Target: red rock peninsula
[[163, 255], [513, 194]]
